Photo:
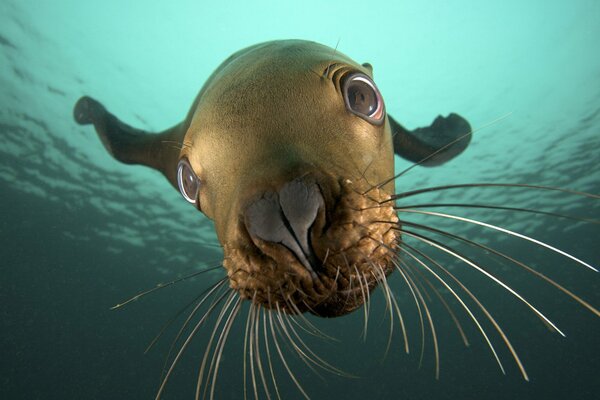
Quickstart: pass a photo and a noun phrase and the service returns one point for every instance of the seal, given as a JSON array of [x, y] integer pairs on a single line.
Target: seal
[[289, 150]]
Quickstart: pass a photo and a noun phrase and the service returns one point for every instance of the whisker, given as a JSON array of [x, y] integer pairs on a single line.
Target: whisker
[[503, 208], [179, 146], [416, 279], [466, 308], [282, 358], [420, 313], [269, 356], [467, 261], [337, 275], [245, 368], [332, 56], [301, 354], [258, 357], [431, 326], [350, 284], [315, 331], [253, 312], [178, 314], [462, 303], [350, 291], [402, 325], [445, 304], [366, 301], [224, 309], [162, 286], [393, 304], [510, 259], [186, 344], [366, 310], [221, 343], [503, 230], [321, 363], [489, 185], [450, 144], [488, 315], [213, 290], [388, 302]]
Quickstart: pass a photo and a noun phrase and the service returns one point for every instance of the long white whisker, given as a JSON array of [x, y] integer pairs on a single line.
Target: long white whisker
[[462, 303], [258, 356], [188, 340], [402, 195], [365, 309], [388, 302], [222, 313], [269, 355], [367, 300], [402, 325], [431, 326], [206, 295], [503, 230], [445, 249], [221, 343], [282, 358], [501, 208], [510, 259], [482, 308], [318, 361], [245, 368], [251, 354], [391, 303], [416, 279], [445, 304], [315, 331], [437, 151], [420, 313], [163, 285], [301, 354]]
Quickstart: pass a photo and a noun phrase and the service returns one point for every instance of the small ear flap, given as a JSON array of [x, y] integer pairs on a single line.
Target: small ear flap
[[133, 146], [427, 145]]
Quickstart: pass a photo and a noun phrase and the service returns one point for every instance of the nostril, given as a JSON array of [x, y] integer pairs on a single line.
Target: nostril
[[264, 219], [286, 218], [300, 202]]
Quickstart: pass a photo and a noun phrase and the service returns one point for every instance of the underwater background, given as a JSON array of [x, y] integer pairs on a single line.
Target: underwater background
[[81, 232]]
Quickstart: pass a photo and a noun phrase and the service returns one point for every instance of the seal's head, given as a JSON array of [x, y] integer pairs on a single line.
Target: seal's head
[[285, 140], [289, 149]]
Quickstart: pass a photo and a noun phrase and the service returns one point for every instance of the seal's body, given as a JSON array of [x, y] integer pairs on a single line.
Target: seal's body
[[288, 148]]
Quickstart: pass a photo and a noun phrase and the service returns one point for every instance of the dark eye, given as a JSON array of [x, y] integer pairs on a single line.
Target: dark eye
[[188, 182], [362, 98]]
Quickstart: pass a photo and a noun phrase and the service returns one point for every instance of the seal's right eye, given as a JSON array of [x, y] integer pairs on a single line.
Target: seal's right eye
[[188, 182], [362, 98]]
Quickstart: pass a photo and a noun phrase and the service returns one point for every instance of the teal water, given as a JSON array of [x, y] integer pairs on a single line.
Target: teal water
[[81, 232]]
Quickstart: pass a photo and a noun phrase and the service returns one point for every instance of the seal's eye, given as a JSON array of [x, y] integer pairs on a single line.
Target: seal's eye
[[187, 181], [362, 98]]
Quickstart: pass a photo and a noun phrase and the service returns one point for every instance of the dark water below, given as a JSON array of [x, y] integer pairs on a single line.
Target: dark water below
[[81, 233]]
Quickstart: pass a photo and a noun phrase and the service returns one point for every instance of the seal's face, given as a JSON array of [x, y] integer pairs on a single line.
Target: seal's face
[[286, 146]]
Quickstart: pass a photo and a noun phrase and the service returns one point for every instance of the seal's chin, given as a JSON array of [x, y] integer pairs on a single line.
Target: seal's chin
[[311, 247]]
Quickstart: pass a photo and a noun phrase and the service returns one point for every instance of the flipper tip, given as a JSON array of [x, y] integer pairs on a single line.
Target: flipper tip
[[87, 110]]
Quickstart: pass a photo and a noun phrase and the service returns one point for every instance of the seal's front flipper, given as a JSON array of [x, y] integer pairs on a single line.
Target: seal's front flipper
[[441, 141], [129, 145]]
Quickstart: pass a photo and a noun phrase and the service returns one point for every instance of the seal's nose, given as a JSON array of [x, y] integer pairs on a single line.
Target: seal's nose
[[285, 217]]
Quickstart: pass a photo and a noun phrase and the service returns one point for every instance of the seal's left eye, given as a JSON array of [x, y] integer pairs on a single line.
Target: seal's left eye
[[363, 98], [188, 182]]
